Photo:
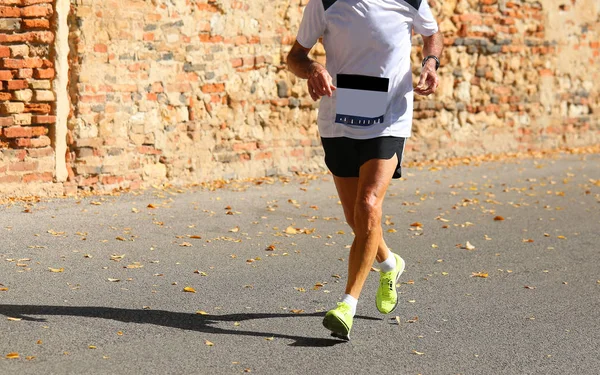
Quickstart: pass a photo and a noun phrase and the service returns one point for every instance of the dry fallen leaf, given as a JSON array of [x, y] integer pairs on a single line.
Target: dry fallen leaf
[[12, 355], [417, 353], [291, 230], [208, 343], [113, 280], [498, 218], [469, 246], [189, 289], [13, 319], [185, 244], [201, 312], [151, 206], [297, 311], [92, 347], [56, 270], [479, 274], [416, 224]]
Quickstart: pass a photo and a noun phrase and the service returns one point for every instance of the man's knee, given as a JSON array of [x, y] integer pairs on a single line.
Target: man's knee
[[367, 213]]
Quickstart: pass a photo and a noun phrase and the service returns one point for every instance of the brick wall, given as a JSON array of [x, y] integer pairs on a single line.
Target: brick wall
[[186, 91], [26, 96], [516, 75]]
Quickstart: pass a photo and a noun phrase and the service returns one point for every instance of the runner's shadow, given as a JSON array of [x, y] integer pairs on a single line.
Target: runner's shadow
[[190, 322]]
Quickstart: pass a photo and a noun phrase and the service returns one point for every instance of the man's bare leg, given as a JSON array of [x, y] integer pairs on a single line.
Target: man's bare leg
[[375, 176], [347, 188]]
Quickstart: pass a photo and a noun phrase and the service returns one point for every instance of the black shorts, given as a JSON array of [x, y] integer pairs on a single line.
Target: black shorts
[[344, 156]]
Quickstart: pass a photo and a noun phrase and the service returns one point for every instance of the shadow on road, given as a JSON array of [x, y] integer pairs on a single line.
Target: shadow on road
[[192, 322]]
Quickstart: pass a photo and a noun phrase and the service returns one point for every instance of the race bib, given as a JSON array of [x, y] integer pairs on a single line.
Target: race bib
[[361, 100]]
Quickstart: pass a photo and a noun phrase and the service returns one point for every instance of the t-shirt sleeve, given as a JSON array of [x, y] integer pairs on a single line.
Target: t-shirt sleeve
[[312, 26], [424, 23]]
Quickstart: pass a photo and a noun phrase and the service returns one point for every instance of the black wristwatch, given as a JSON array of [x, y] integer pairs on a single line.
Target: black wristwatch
[[437, 61]]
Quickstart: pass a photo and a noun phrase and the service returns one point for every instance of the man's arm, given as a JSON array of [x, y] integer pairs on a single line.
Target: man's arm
[[320, 82], [432, 46]]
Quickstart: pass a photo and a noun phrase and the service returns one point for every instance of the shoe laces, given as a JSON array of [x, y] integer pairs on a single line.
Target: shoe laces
[[344, 307], [387, 282]]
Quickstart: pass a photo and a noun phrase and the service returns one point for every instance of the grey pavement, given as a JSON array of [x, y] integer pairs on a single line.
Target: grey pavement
[[267, 260]]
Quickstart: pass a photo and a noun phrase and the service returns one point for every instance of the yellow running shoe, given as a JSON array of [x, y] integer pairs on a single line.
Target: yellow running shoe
[[387, 297], [339, 321]]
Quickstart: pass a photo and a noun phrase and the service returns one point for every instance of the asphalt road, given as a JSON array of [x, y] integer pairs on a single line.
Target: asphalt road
[[271, 259]]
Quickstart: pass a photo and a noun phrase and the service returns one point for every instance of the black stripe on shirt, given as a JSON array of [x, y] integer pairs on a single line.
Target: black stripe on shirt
[[414, 3], [358, 82], [328, 3]]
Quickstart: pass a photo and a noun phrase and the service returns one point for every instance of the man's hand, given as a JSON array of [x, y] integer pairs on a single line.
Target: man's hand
[[320, 82], [429, 80]]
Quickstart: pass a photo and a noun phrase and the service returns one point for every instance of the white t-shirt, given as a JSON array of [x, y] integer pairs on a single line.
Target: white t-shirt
[[367, 45]]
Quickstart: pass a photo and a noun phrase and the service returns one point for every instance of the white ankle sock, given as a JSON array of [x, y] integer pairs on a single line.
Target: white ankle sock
[[389, 264], [350, 301]]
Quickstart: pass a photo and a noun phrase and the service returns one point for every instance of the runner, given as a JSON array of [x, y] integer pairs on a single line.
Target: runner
[[365, 116]]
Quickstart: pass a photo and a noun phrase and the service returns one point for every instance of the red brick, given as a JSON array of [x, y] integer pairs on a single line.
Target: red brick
[[178, 87], [33, 2], [38, 108], [25, 131], [6, 75], [4, 51], [34, 62], [44, 10], [36, 23], [148, 150], [48, 64], [236, 63], [5, 95], [43, 119], [112, 180], [92, 98], [213, 87], [9, 12], [207, 7], [32, 36], [10, 179], [13, 63], [103, 48], [17, 84], [6, 121], [38, 177], [23, 166], [43, 152], [43, 73]]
